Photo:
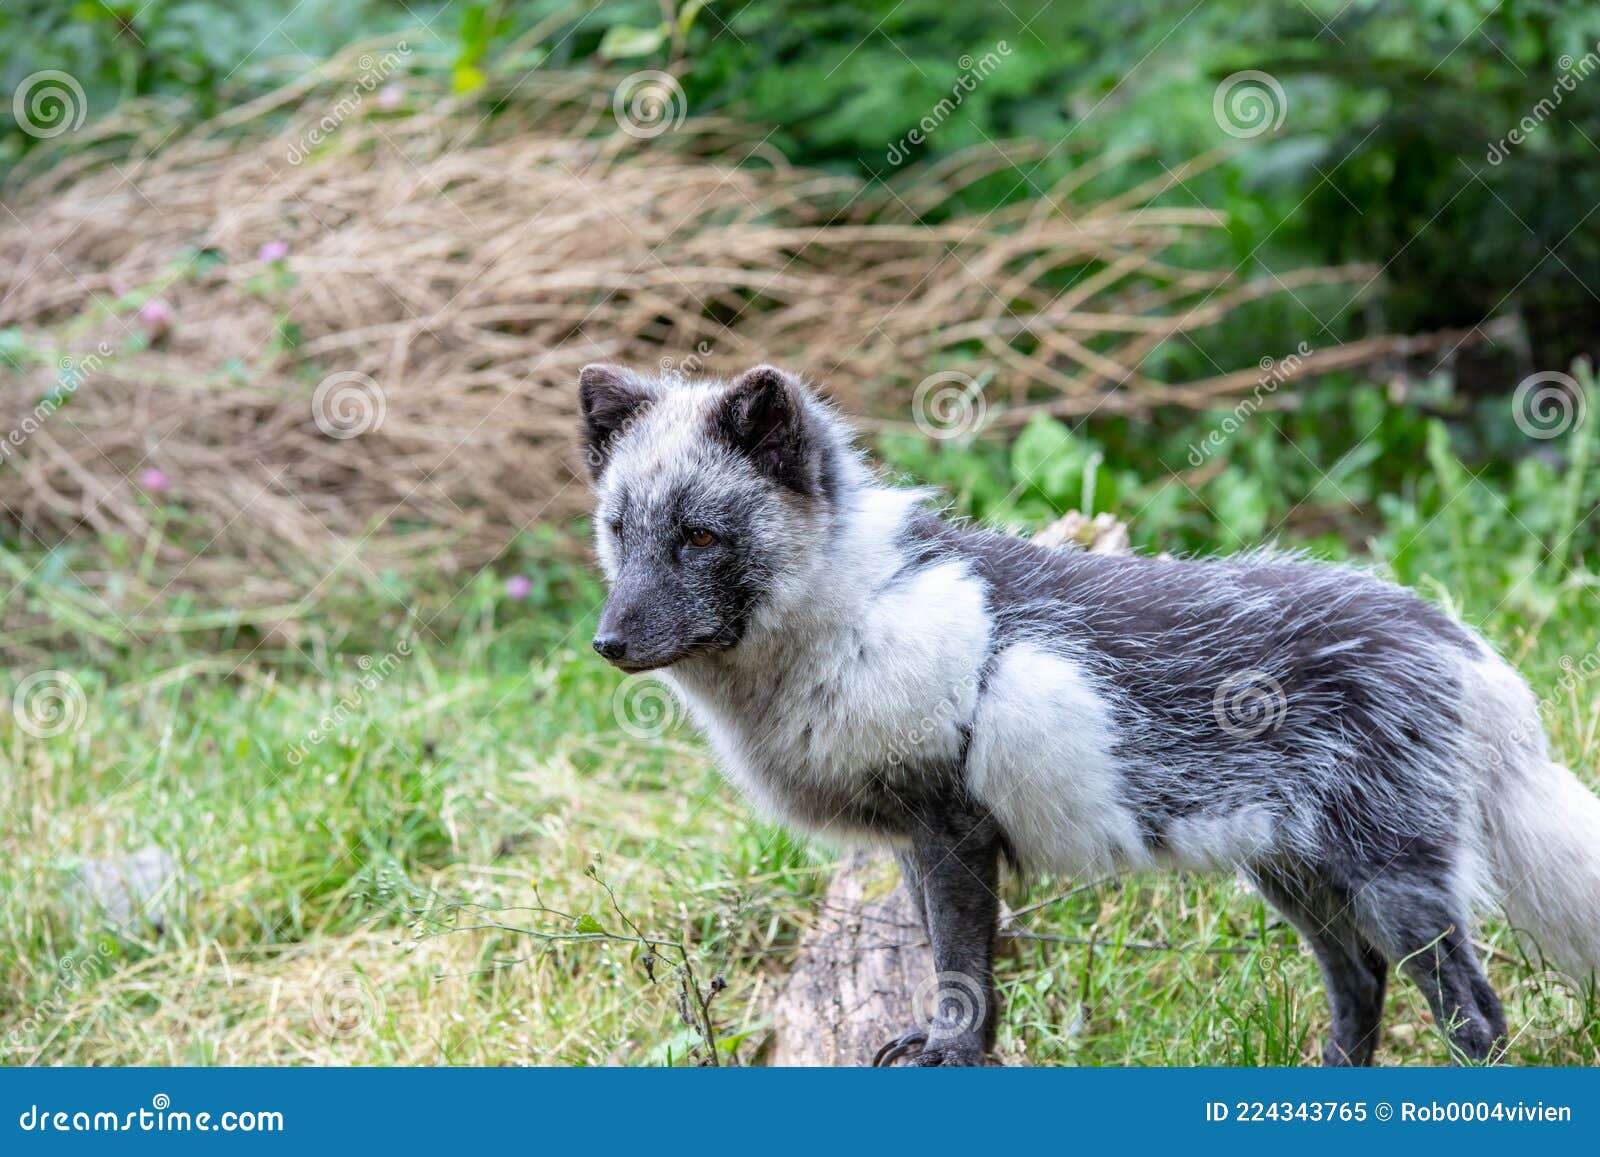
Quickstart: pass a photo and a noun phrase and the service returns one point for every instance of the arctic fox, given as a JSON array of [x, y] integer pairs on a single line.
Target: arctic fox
[[867, 671]]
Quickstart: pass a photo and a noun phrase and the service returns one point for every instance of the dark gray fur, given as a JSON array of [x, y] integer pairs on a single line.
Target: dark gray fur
[[1356, 660]]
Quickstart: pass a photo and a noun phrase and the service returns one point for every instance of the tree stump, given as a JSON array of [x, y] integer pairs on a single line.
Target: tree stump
[[851, 986]]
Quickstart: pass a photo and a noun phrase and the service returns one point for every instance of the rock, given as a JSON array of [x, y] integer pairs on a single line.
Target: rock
[[132, 891]]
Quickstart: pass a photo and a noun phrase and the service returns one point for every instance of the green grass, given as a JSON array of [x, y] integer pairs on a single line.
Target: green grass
[[501, 853], [330, 882], [344, 908]]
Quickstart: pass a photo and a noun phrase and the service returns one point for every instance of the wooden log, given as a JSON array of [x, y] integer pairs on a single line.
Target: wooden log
[[851, 986]]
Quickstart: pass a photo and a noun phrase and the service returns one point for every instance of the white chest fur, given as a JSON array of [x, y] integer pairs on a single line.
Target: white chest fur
[[825, 707]]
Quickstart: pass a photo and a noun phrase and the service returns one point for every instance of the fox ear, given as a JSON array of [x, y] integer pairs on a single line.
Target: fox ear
[[609, 398], [763, 416]]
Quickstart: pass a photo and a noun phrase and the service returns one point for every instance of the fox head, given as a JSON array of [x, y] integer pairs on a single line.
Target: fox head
[[711, 501]]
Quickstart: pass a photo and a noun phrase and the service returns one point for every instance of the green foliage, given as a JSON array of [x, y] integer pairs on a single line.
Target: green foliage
[[1343, 469], [1451, 142], [203, 53], [1397, 144]]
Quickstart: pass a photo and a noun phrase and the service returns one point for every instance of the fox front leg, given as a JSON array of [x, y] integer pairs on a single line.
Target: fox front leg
[[956, 862]]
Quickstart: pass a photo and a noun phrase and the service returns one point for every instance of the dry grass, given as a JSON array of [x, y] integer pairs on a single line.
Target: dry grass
[[466, 265]]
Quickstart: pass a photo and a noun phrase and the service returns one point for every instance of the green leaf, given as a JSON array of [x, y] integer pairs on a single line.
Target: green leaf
[[1240, 504], [687, 14], [622, 41], [475, 34], [1446, 467], [13, 347], [587, 924], [467, 78], [1052, 459]]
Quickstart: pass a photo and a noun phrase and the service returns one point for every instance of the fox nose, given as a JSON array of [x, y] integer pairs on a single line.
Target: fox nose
[[610, 647]]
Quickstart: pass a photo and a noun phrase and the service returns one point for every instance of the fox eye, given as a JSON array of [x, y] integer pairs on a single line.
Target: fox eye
[[699, 537], [616, 527]]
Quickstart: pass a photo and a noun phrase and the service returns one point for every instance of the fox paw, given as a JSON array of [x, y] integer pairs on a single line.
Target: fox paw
[[923, 1053]]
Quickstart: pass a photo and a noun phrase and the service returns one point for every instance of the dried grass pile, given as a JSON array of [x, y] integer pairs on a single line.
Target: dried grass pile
[[449, 271]]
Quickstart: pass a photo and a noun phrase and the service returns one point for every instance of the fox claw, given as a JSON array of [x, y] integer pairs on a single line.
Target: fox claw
[[903, 1045]]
